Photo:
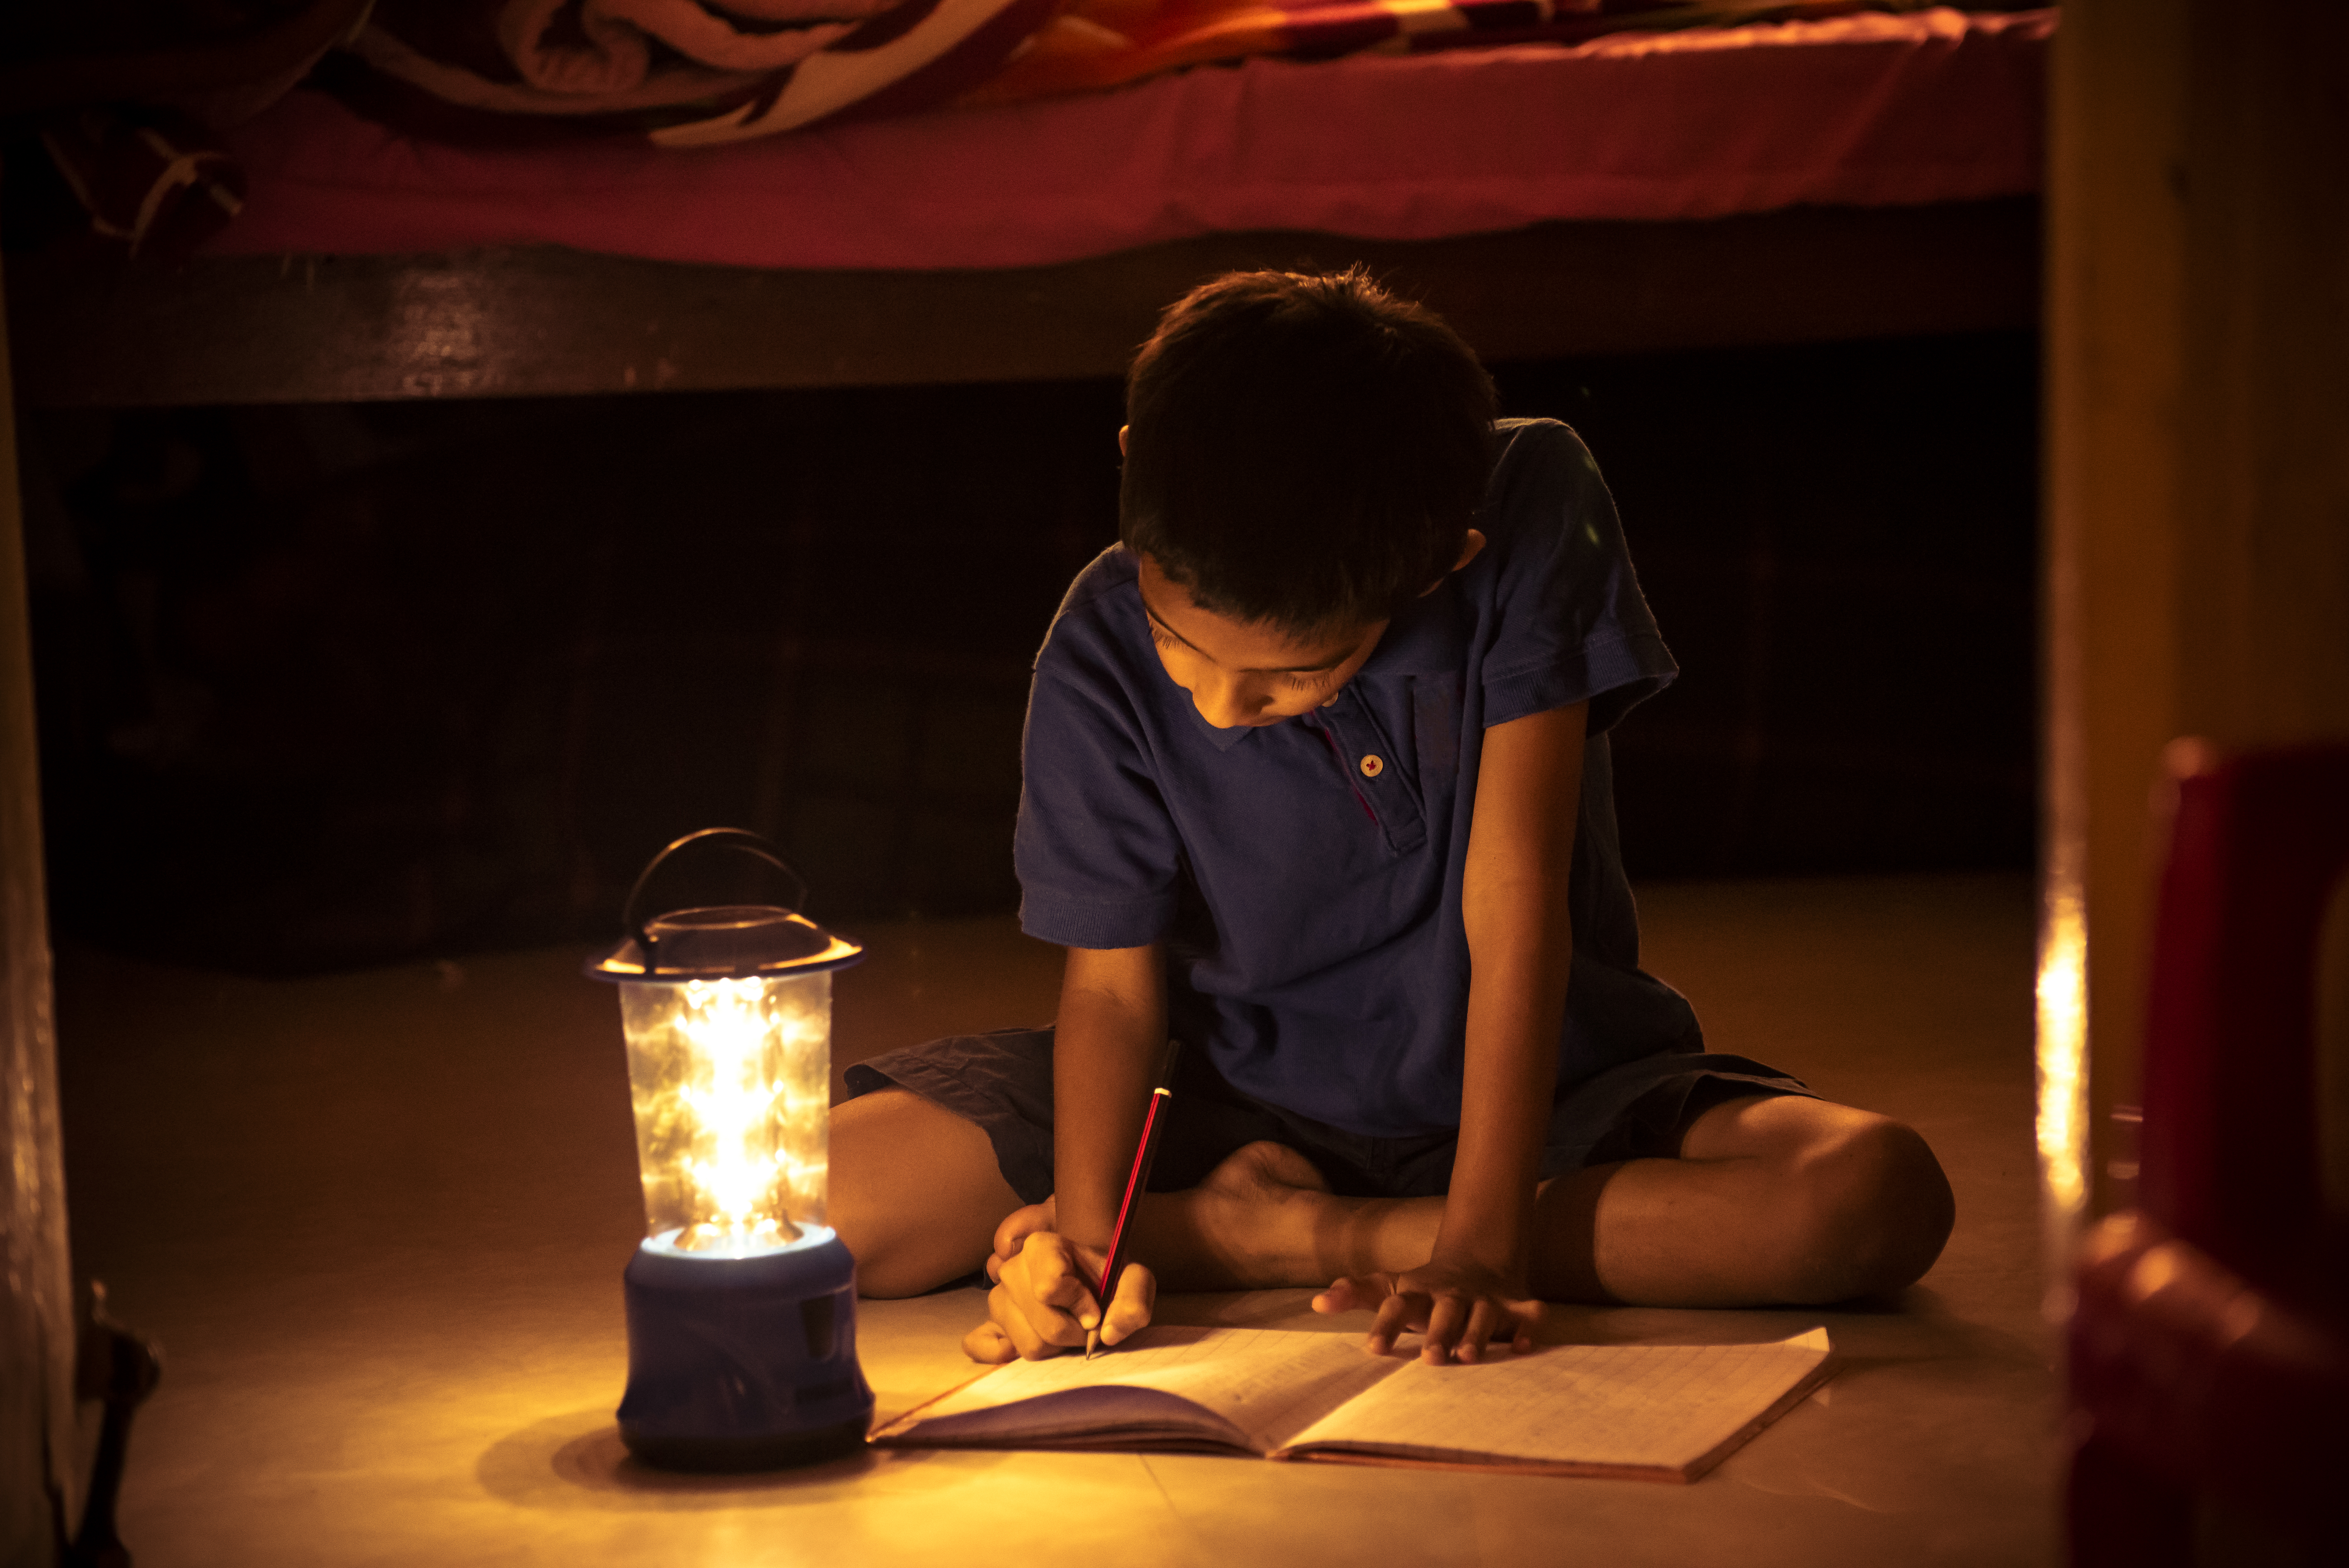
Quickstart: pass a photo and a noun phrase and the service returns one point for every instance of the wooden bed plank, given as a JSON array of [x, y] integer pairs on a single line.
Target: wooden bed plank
[[532, 322]]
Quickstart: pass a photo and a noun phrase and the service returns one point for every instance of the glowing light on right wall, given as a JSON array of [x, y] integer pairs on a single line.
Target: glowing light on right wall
[[2063, 1121]]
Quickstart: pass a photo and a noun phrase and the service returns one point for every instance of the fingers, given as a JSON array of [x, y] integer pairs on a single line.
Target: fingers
[[1487, 1320], [1459, 1322], [1055, 1276], [1351, 1293], [1446, 1317], [1015, 1230], [1399, 1311], [1467, 1328], [1019, 1326], [1356, 1291], [1129, 1310], [1035, 1333], [1005, 1316], [989, 1344], [1040, 1300]]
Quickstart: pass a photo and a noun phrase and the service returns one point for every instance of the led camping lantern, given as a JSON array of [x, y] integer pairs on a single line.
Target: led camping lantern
[[740, 1301]]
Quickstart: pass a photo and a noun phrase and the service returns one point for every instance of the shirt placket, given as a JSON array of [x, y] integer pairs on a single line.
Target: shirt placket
[[1368, 761]]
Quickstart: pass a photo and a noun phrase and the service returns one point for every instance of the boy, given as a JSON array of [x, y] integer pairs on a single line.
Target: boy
[[1317, 778]]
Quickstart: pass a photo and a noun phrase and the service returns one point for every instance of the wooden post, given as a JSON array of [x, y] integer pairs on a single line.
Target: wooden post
[[38, 1483], [2198, 563]]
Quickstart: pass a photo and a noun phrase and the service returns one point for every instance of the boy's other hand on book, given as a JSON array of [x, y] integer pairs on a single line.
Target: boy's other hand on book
[[1042, 1302], [1458, 1308]]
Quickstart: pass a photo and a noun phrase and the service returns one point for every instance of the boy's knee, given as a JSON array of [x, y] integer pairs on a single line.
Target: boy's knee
[[915, 1193], [886, 1265], [1874, 1210]]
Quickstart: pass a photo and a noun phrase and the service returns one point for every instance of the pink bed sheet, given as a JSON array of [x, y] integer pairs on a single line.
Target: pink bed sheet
[[1869, 109]]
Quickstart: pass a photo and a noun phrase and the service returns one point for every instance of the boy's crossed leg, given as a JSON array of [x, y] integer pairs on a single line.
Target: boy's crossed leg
[[915, 1193], [1773, 1199]]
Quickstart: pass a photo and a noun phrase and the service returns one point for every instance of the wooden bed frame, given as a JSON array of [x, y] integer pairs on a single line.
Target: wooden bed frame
[[544, 321]]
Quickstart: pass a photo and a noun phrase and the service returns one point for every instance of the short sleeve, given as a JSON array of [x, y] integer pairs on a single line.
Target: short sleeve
[[1569, 622], [1097, 854]]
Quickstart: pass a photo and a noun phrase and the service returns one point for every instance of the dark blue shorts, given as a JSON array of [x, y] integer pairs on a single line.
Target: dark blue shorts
[[1003, 1082]]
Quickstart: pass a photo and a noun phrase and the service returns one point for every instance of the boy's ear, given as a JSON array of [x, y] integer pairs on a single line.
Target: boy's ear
[[1470, 548], [1122, 429]]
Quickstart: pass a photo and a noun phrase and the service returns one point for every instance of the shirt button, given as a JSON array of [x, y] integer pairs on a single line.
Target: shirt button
[[1373, 767]]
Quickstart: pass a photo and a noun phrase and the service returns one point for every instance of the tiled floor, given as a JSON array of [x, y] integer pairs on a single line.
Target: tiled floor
[[377, 1223]]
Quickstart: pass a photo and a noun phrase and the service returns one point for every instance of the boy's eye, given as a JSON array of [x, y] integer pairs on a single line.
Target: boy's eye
[[1308, 680]]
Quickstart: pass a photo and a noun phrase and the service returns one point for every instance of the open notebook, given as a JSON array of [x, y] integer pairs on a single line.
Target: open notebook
[[1653, 1412]]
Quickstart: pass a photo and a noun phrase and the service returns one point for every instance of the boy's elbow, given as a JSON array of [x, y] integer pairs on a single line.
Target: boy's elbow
[[1523, 905]]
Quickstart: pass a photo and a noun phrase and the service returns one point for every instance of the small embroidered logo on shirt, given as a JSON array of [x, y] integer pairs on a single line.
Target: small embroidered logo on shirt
[[1373, 767]]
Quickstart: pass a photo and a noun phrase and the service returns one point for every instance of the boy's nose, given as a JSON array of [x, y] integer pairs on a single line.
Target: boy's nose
[[1225, 704]]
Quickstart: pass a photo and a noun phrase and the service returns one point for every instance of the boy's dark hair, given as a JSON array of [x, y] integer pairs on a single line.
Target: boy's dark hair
[[1303, 451]]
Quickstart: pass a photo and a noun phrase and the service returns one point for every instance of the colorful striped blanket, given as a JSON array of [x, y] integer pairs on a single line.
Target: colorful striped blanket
[[692, 72]]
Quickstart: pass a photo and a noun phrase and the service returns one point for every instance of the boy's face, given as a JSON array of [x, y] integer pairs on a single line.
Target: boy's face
[[1241, 674]]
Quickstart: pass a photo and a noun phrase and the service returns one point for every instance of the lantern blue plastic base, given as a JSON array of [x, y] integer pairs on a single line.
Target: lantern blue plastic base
[[741, 1364]]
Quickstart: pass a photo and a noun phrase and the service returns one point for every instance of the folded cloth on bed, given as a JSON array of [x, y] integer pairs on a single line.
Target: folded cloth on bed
[[693, 72], [683, 72], [1106, 43], [1863, 111]]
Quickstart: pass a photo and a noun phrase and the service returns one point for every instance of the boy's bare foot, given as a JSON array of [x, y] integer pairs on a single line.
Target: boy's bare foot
[[1264, 1171], [1264, 1219], [1248, 1226]]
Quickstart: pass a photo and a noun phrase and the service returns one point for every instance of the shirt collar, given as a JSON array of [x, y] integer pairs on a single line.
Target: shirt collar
[[1425, 639]]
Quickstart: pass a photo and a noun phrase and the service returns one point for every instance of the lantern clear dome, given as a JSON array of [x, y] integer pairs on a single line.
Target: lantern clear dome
[[732, 1085]]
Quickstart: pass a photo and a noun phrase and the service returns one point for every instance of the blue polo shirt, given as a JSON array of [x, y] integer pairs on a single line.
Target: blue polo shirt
[[1311, 904]]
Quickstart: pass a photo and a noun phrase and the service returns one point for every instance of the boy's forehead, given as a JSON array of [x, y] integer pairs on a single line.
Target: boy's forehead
[[1239, 645]]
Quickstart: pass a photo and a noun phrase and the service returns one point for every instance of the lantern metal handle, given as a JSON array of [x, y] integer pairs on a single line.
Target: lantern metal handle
[[738, 838]]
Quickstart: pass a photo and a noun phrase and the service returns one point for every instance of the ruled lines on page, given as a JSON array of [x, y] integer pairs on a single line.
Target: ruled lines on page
[[1662, 1407]]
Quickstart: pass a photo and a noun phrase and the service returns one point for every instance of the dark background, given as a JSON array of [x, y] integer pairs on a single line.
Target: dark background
[[338, 684]]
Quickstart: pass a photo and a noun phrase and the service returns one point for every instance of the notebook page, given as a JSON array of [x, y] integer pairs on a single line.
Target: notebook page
[[1662, 1407], [1258, 1385], [1102, 1417]]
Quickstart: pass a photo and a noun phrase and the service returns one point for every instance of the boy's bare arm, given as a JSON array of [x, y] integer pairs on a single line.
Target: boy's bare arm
[[1108, 1040], [1520, 950]]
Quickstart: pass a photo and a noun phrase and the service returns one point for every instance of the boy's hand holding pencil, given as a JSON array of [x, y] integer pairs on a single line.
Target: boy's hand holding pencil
[[1043, 1294], [1043, 1281]]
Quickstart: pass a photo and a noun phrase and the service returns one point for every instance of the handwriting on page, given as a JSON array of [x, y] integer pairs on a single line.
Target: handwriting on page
[[1642, 1405]]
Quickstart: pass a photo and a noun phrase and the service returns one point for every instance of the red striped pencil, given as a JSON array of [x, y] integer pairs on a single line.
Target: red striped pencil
[[1114, 1264]]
